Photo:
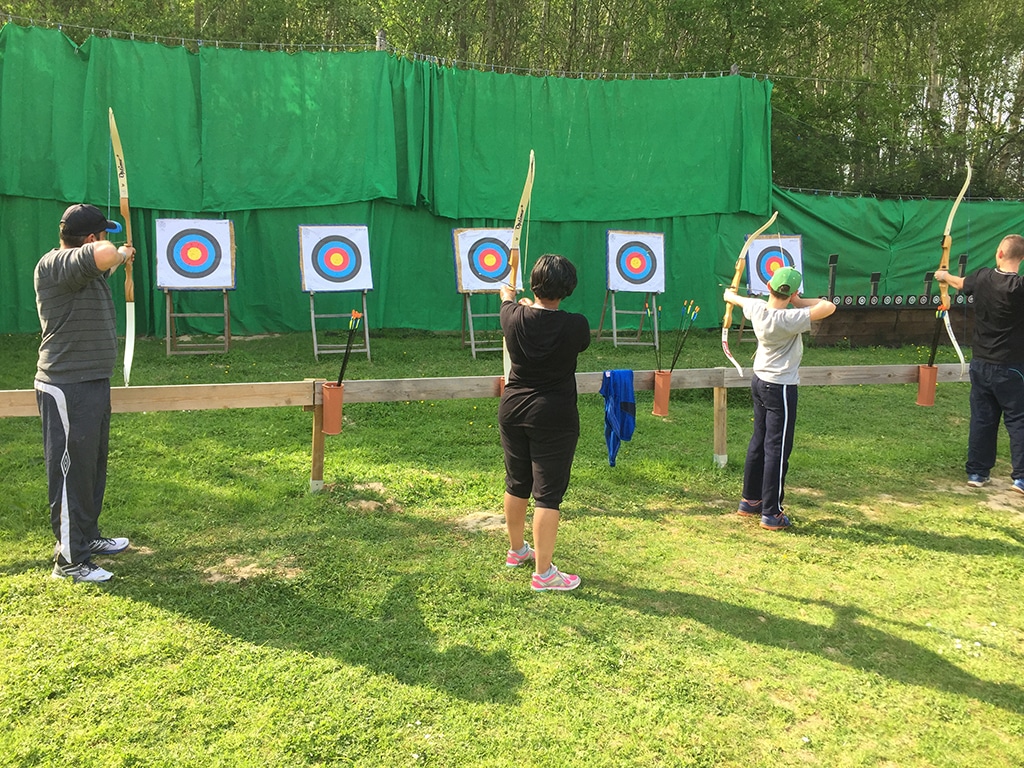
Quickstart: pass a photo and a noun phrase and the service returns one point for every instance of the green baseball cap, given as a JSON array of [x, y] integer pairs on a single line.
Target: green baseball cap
[[785, 281]]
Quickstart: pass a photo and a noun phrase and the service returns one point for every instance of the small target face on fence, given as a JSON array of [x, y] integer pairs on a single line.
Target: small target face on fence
[[335, 258], [195, 254], [636, 261]]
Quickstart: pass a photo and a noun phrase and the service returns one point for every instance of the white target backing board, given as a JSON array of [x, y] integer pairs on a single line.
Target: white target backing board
[[483, 260], [195, 254], [335, 258], [636, 261], [769, 253]]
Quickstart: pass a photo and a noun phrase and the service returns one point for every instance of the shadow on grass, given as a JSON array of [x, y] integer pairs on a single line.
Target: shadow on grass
[[865, 533], [868, 649], [342, 602], [396, 643]]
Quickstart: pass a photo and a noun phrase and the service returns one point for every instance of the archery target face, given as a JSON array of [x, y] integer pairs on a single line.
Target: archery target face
[[483, 260], [335, 258], [636, 261], [769, 253], [195, 254]]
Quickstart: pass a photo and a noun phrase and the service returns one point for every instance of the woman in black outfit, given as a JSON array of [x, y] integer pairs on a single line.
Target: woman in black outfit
[[538, 418]]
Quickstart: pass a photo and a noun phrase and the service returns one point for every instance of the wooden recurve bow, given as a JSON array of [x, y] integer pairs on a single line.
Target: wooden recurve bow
[[943, 311], [513, 256], [129, 283], [741, 262]]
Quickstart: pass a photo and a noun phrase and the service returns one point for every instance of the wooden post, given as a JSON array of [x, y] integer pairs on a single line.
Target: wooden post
[[721, 398], [316, 472]]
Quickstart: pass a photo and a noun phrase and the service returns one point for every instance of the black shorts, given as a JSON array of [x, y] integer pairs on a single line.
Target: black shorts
[[538, 462]]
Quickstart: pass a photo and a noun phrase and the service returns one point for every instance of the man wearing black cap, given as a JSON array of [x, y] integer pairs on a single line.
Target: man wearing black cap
[[76, 359], [773, 387]]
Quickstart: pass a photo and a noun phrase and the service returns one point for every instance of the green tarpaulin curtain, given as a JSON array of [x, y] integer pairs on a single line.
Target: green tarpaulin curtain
[[413, 151], [231, 130]]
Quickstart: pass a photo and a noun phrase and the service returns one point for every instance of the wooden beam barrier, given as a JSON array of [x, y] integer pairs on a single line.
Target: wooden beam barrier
[[308, 394]]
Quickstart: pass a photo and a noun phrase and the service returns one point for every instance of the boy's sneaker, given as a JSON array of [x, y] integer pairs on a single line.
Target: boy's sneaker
[[749, 508], [977, 481], [1018, 485], [108, 546], [514, 559], [81, 572], [775, 522], [556, 580]]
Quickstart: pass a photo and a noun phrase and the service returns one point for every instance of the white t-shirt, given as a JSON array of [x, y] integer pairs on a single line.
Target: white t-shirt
[[780, 346]]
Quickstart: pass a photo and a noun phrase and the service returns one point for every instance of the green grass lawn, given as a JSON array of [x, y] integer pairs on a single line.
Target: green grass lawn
[[375, 624]]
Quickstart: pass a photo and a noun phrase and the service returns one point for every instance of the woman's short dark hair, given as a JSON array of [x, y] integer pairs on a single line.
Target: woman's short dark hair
[[553, 277]]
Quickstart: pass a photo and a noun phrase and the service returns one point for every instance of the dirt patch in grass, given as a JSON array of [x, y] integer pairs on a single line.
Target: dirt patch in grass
[[481, 521], [236, 570], [384, 503], [999, 495]]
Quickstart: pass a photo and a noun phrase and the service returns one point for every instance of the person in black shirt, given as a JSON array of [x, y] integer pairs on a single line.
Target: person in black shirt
[[997, 361], [538, 418]]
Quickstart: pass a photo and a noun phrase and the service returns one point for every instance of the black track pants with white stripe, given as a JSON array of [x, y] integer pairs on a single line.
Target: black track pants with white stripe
[[76, 437]]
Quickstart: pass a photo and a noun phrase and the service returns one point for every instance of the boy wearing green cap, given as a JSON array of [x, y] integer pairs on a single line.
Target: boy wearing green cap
[[778, 324]]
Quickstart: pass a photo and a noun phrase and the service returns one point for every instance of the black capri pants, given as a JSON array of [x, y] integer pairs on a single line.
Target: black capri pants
[[538, 462]]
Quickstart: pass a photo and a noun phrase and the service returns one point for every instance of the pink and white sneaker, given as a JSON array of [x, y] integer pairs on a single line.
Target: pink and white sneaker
[[555, 581], [513, 559]]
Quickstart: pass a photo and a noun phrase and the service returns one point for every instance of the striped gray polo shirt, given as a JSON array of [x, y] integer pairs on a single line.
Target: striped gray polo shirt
[[76, 312]]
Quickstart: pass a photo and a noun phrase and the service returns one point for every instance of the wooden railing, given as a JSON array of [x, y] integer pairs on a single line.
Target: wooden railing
[[307, 394]]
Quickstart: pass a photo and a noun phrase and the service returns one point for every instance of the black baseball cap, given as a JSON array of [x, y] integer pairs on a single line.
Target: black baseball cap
[[84, 220]]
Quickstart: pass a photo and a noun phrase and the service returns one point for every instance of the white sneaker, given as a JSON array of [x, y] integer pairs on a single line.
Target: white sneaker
[[81, 572], [108, 546]]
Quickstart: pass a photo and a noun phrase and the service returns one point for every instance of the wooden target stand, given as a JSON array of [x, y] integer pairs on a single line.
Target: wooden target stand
[[177, 347], [649, 300], [468, 316], [333, 349]]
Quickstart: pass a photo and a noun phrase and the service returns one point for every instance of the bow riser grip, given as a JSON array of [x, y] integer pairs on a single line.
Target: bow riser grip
[[129, 284], [947, 245], [513, 263], [127, 216]]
